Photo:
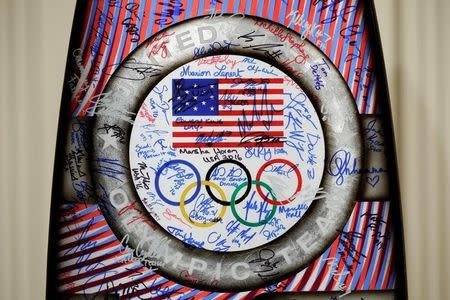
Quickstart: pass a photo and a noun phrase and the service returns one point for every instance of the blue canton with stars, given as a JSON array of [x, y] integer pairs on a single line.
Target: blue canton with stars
[[195, 97]]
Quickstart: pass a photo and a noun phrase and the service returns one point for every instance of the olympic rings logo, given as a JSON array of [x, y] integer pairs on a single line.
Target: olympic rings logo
[[270, 197]]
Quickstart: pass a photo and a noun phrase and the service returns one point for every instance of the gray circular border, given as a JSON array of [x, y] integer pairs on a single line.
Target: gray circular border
[[204, 269]]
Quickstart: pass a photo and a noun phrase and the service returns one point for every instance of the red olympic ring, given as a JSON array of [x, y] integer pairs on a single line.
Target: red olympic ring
[[299, 182]]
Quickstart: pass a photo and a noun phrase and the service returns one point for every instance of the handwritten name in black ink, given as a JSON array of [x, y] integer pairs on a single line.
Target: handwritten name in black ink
[[114, 131], [264, 265], [131, 21], [134, 70]]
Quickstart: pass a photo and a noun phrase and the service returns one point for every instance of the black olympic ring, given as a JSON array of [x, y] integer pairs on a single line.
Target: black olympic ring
[[239, 164]]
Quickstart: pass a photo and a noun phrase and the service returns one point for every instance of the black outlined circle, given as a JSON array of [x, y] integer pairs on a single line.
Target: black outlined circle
[[229, 161]]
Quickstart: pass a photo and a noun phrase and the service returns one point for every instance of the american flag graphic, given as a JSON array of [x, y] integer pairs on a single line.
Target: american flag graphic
[[227, 112]]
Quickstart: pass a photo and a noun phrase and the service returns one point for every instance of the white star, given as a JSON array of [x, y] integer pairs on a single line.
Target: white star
[[187, 103], [179, 108], [211, 97], [108, 140], [212, 108], [195, 85], [186, 91], [195, 108], [212, 86], [178, 98], [195, 97], [203, 102]]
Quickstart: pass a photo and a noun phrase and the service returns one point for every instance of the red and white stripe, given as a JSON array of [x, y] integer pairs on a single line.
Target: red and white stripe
[[259, 114]]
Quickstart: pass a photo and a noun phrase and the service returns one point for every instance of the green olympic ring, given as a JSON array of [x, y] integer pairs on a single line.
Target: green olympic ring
[[233, 204]]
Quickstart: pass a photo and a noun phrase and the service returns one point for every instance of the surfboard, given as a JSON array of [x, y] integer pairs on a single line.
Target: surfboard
[[225, 149]]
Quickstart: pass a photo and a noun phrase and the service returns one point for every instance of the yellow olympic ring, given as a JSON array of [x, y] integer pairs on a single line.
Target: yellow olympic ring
[[183, 208]]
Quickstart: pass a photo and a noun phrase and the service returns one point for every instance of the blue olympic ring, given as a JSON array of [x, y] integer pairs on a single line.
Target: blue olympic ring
[[167, 164]]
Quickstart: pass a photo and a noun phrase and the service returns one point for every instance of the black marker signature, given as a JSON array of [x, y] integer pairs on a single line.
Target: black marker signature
[[137, 70], [262, 138], [265, 266]]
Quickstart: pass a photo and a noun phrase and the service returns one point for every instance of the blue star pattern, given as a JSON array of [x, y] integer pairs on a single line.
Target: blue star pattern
[[195, 97]]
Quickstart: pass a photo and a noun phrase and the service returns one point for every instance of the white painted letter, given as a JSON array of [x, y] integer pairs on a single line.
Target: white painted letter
[[201, 34], [243, 275], [197, 264], [182, 41]]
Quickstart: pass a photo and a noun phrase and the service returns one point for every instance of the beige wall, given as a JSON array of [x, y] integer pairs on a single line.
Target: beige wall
[[34, 36], [416, 40]]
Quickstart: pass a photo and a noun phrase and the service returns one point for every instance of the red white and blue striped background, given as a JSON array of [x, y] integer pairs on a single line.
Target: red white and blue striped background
[[89, 253], [89, 260], [118, 43]]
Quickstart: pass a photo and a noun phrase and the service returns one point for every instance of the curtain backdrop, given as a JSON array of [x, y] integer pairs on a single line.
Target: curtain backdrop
[[34, 37]]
